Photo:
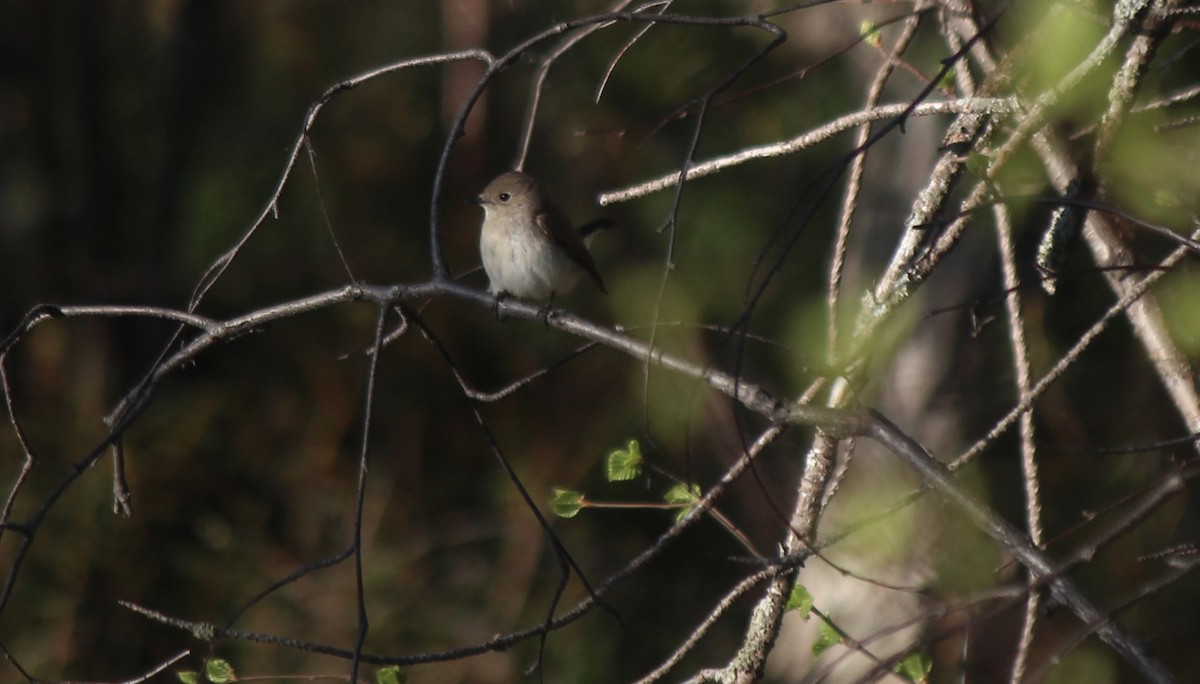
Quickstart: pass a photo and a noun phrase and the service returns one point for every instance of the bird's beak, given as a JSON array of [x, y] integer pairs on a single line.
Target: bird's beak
[[476, 200]]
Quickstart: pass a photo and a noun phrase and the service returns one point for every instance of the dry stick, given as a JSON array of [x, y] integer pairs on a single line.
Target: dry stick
[[337, 245], [970, 105], [846, 218], [1029, 467], [360, 494], [144, 677], [663, 6], [1154, 28], [853, 646], [512, 388], [300, 572], [1169, 486], [9, 657], [764, 440], [854, 179], [723, 606], [27, 448], [1166, 101]]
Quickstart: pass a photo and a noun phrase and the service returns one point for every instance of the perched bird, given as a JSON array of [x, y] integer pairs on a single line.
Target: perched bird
[[529, 247]]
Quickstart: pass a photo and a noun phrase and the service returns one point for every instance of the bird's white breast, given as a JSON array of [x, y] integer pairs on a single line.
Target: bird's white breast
[[524, 262]]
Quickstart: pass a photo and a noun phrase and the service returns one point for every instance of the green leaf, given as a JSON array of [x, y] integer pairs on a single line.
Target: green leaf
[[915, 667], [390, 675], [684, 496], [869, 32], [624, 464], [188, 676], [566, 503], [827, 637], [946, 82], [219, 671], [800, 599]]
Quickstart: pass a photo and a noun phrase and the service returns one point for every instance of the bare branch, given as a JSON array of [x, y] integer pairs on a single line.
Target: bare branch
[[820, 134]]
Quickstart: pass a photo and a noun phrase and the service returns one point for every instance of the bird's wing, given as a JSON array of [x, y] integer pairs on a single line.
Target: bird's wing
[[557, 227]]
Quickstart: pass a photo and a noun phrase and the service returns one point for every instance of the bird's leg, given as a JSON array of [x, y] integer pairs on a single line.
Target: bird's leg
[[500, 296], [544, 313]]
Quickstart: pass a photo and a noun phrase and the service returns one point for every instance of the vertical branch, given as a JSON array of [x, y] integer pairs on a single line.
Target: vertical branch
[[360, 495], [855, 173], [1029, 467], [28, 462]]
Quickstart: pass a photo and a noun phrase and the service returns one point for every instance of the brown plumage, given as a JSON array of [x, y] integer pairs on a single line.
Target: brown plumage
[[528, 246]]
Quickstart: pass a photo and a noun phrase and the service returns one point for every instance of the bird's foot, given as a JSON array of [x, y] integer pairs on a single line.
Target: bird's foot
[[545, 312], [500, 296]]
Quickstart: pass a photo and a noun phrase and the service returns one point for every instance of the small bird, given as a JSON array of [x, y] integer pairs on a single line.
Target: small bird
[[528, 246]]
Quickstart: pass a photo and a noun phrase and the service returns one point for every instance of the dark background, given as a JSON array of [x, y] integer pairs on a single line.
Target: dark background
[[139, 140]]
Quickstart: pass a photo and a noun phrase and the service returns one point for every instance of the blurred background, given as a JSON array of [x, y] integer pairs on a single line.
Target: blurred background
[[139, 140]]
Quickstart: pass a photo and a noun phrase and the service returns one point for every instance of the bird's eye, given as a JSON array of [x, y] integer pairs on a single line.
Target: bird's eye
[[504, 197]]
